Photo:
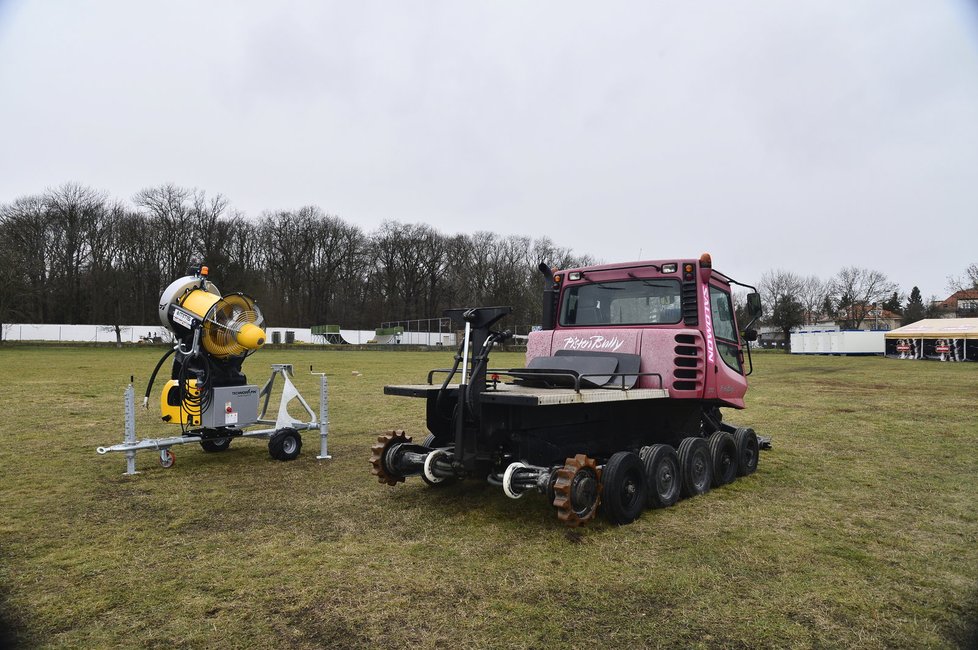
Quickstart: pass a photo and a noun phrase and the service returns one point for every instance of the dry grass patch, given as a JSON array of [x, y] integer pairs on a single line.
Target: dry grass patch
[[859, 529]]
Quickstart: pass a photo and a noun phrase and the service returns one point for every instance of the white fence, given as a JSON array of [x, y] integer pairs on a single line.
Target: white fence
[[138, 333], [84, 333]]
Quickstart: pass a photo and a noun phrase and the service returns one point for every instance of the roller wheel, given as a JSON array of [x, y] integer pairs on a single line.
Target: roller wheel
[[213, 446], [439, 481], [167, 459], [577, 490], [748, 451], [696, 466], [623, 488], [285, 444], [379, 450], [723, 450], [662, 475]]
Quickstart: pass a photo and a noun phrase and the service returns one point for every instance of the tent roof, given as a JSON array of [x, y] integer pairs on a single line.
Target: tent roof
[[956, 328]]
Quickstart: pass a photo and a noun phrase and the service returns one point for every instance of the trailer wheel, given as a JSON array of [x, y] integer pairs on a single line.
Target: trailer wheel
[[748, 451], [213, 446], [167, 459], [723, 451], [623, 488], [696, 466], [285, 444], [662, 475]]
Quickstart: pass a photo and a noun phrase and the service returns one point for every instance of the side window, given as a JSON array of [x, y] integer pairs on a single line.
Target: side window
[[724, 328]]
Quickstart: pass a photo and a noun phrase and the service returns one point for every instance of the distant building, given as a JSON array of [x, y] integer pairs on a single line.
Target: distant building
[[873, 317], [960, 304]]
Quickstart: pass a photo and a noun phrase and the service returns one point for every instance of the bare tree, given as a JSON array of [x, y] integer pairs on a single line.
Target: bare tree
[[27, 234], [968, 281], [209, 227], [15, 290], [168, 208], [856, 291], [73, 213], [781, 291], [812, 293]]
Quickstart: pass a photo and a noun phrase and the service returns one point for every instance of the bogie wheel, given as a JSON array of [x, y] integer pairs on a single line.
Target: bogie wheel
[[696, 466], [379, 450], [285, 444], [167, 459], [723, 450], [662, 474], [623, 488], [577, 490], [748, 451], [215, 445]]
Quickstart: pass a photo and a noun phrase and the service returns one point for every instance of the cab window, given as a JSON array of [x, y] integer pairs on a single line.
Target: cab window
[[627, 302], [724, 327]]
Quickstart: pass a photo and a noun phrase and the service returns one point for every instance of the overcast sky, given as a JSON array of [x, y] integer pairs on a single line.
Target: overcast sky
[[798, 135]]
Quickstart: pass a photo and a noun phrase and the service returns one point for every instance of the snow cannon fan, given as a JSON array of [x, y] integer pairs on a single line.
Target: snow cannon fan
[[233, 327], [207, 392]]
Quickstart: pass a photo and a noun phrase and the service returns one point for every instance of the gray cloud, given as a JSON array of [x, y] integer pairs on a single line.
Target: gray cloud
[[800, 135]]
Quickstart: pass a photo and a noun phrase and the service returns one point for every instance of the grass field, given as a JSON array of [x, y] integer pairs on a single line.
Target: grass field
[[860, 528]]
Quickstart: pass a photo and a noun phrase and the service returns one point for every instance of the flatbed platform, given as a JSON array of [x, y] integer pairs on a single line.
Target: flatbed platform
[[518, 395]]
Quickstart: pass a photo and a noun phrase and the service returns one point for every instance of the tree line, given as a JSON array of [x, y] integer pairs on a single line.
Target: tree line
[[74, 255], [851, 298]]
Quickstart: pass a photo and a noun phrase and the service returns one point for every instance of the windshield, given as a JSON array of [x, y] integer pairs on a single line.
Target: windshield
[[626, 302]]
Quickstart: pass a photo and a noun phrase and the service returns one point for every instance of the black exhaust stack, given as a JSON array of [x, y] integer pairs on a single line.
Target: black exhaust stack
[[550, 293]]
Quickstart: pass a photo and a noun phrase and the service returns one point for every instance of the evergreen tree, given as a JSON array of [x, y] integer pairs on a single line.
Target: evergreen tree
[[915, 308], [893, 304]]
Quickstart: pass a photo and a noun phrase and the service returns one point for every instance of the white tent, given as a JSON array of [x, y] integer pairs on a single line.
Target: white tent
[[943, 339]]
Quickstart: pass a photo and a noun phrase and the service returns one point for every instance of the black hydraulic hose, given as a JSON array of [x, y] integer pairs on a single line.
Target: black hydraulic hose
[[152, 378], [483, 360], [441, 392]]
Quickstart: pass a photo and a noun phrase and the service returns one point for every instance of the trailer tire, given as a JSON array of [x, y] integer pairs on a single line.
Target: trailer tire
[[696, 466], [723, 451], [748, 451], [662, 475], [285, 444], [214, 446], [624, 488]]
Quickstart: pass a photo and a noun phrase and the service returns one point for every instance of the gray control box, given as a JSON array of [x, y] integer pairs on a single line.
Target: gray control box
[[232, 406]]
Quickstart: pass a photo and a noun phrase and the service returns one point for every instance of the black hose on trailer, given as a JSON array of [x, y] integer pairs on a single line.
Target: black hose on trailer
[[152, 378], [194, 405]]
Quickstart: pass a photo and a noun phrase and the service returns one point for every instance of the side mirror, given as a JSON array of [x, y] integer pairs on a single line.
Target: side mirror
[[754, 305], [750, 335]]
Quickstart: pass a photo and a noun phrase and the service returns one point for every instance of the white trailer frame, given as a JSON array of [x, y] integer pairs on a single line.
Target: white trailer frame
[[131, 445]]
